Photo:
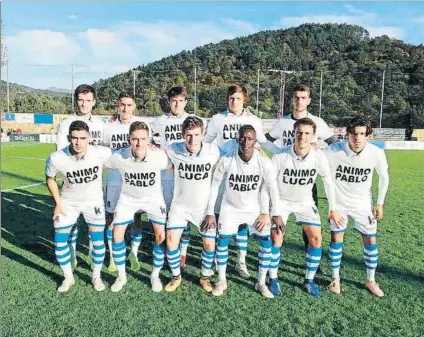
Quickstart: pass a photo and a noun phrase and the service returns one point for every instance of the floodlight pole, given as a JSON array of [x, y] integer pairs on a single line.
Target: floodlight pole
[[320, 96], [382, 97], [282, 86], [7, 87], [195, 90], [257, 95]]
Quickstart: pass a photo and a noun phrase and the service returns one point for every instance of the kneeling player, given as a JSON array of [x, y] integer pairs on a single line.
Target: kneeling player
[[352, 164], [297, 167], [140, 169], [246, 171], [193, 163], [81, 166]]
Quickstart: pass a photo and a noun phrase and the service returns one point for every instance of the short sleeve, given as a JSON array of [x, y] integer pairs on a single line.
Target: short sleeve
[[50, 169], [276, 131]]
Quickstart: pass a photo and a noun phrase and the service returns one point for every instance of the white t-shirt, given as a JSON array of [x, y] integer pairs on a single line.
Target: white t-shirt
[[82, 178], [141, 180], [169, 128], [193, 175], [296, 176], [116, 136], [284, 133], [224, 127], [95, 124], [352, 173], [243, 182]]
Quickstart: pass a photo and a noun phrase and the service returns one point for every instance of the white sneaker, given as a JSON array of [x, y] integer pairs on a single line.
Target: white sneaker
[[242, 270], [263, 289], [98, 284], [156, 284], [208, 273], [66, 285], [220, 287], [118, 285]]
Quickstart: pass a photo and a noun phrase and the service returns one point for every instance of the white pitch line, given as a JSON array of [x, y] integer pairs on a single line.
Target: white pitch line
[[22, 187], [18, 145], [19, 157]]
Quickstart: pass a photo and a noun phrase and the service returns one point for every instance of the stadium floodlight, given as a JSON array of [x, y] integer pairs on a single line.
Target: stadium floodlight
[[283, 82]]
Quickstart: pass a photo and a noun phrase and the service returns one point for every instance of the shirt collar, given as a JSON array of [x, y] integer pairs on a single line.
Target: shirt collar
[[145, 159], [352, 153], [295, 156], [251, 159], [183, 115], [67, 150]]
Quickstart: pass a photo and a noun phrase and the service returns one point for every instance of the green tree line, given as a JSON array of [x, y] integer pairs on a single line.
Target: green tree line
[[349, 62]]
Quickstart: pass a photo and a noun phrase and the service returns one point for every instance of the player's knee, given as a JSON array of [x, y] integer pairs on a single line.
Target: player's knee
[[159, 237], [315, 240], [209, 245], [369, 240], [337, 237], [277, 238], [118, 234]]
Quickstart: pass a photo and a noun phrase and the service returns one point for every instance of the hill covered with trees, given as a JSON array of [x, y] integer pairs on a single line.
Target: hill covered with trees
[[349, 64]]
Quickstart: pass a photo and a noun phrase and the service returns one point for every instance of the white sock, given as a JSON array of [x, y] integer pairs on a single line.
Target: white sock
[[371, 275], [183, 248], [134, 248], [242, 256], [262, 275], [155, 273], [121, 271], [222, 272]]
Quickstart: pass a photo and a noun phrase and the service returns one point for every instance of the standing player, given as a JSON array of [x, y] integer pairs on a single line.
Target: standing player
[[297, 168], [85, 100], [224, 128], [352, 163], [169, 128], [193, 164], [140, 169], [81, 167], [246, 172], [283, 135], [116, 135]]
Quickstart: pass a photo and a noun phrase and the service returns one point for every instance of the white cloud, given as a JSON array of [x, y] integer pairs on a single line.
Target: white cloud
[[390, 31], [245, 26], [72, 17], [41, 47]]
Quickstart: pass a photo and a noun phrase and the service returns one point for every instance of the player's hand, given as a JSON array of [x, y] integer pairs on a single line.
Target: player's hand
[[209, 222], [337, 218], [262, 221], [153, 147], [278, 221], [378, 212], [113, 118], [260, 150], [58, 210]]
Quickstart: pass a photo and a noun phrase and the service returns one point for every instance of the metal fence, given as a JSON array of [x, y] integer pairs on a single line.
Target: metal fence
[[336, 95]]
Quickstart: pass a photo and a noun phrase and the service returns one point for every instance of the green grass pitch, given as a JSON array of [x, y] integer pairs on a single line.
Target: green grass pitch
[[30, 275]]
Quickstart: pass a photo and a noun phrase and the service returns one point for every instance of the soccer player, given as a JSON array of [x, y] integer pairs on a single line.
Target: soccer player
[[245, 172], [140, 168], [85, 100], [297, 168], [283, 135], [169, 128], [116, 136], [193, 164], [81, 167], [223, 128], [352, 163]]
